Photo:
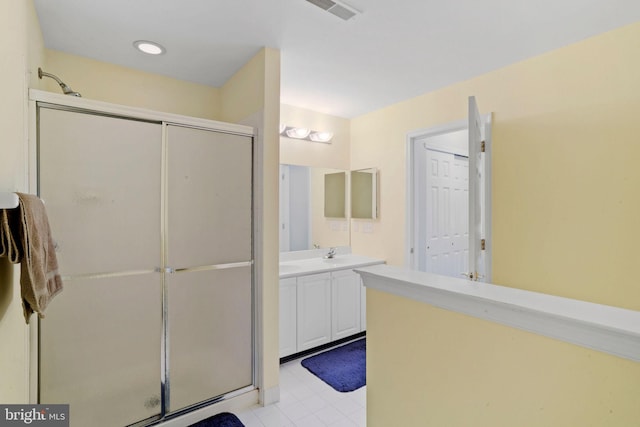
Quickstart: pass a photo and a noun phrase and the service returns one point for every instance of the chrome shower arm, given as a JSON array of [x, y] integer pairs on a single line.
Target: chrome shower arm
[[66, 89], [42, 73]]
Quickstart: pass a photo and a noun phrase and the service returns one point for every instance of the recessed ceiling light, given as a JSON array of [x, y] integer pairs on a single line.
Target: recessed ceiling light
[[148, 47]]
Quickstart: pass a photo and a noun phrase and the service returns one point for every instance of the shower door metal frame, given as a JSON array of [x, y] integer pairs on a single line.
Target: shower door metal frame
[[39, 99], [166, 269]]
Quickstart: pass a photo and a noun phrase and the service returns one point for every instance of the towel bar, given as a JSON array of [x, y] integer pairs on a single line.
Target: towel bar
[[8, 200]]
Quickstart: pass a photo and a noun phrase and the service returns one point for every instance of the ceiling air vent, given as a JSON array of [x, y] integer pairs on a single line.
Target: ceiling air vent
[[340, 10]]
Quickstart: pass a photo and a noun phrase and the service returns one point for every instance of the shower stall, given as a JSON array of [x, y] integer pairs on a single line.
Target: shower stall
[[152, 215]]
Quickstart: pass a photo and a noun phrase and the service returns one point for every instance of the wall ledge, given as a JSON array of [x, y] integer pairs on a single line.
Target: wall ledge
[[599, 327]]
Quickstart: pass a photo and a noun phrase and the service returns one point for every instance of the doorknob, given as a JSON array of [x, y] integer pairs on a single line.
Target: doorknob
[[473, 276]]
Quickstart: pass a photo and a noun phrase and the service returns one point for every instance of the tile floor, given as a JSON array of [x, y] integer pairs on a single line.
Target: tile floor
[[306, 401]]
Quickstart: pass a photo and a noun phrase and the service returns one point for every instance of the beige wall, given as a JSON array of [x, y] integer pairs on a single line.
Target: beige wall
[[252, 97], [564, 180], [120, 85], [270, 237], [431, 367], [244, 93], [565, 202], [21, 50]]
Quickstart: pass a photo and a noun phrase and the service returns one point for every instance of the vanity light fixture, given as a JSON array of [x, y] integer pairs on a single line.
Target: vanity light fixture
[[306, 134], [298, 133], [321, 136], [150, 48]]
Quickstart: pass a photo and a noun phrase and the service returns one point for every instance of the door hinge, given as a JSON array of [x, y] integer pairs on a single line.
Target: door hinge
[[482, 147], [483, 244]]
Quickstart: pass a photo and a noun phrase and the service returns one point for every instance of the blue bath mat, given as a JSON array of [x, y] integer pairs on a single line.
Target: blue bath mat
[[224, 419], [343, 368]]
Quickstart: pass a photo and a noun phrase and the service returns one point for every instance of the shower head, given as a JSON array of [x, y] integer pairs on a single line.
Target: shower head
[[66, 89]]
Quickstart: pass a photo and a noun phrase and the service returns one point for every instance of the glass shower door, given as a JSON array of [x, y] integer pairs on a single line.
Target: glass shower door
[[210, 334], [153, 226], [100, 340], [209, 252]]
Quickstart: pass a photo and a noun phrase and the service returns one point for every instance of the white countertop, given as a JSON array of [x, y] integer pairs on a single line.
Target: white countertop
[[610, 329], [318, 264]]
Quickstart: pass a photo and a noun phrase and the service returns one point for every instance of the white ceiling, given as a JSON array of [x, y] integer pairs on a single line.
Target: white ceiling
[[394, 50]]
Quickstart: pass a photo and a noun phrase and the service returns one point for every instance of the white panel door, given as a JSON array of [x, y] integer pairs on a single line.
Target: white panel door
[[345, 306], [470, 138], [446, 218], [314, 310]]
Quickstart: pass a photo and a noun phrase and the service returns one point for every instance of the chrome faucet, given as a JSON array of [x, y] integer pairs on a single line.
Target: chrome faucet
[[330, 254]]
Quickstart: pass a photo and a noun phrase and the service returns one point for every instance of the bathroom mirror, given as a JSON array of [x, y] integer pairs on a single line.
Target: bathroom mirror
[[335, 186], [364, 193], [303, 224]]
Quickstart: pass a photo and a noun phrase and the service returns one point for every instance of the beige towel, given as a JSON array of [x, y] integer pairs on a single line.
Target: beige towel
[[25, 237], [10, 244]]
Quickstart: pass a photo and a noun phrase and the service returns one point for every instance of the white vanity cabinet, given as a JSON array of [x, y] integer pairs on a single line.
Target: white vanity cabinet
[[288, 321], [345, 304], [321, 301], [314, 310]]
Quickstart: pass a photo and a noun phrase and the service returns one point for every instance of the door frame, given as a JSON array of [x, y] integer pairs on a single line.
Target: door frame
[[410, 216]]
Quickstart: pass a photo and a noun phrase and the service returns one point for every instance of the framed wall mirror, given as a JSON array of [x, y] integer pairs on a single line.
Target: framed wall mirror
[[303, 224], [335, 188], [364, 193]]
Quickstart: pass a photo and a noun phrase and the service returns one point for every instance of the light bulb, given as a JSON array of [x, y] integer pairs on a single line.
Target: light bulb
[[298, 133], [321, 136]]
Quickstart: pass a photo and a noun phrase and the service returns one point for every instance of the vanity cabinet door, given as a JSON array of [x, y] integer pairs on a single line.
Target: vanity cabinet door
[[314, 310], [288, 318], [345, 303]]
